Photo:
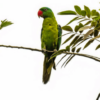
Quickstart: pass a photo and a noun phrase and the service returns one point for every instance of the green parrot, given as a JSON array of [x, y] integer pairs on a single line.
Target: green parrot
[[50, 39]]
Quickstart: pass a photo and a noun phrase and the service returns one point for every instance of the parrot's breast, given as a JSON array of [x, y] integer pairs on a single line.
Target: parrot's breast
[[50, 33]]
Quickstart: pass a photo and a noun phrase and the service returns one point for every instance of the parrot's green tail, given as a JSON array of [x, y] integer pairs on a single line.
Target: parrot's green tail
[[47, 67]]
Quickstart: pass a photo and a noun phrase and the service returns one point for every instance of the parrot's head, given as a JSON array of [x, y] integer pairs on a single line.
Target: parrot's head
[[45, 12]]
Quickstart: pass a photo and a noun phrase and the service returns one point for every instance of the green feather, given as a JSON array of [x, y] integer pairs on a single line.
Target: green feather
[[50, 40], [59, 37]]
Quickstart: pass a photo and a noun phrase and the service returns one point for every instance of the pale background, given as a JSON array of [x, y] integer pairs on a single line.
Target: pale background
[[21, 70]]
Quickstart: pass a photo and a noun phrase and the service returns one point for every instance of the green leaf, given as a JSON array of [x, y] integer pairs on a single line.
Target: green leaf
[[88, 33], [97, 18], [67, 28], [74, 40], [88, 13], [88, 43], [81, 42], [87, 23], [68, 39], [76, 28], [94, 13], [72, 20], [96, 33], [84, 28], [68, 48], [93, 23], [78, 50], [68, 60], [61, 59], [97, 27], [82, 20], [98, 47], [95, 37], [97, 13], [80, 25], [57, 53], [73, 49], [54, 56], [77, 9], [91, 34], [68, 12], [78, 40], [93, 17], [5, 23], [83, 13]]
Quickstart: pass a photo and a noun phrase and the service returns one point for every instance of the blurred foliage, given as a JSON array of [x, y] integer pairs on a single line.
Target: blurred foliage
[[5, 23], [87, 29]]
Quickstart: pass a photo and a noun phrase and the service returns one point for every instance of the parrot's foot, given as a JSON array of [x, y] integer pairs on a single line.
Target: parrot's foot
[[44, 50], [55, 50]]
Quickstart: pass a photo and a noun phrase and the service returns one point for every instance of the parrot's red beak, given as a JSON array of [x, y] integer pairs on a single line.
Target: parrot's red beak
[[40, 13]]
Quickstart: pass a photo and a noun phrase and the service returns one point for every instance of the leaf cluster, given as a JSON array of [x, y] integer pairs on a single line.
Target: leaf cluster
[[68, 57], [5, 23], [79, 34], [87, 29]]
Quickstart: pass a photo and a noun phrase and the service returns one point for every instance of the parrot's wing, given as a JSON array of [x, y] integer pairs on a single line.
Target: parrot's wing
[[41, 37], [59, 37], [41, 33]]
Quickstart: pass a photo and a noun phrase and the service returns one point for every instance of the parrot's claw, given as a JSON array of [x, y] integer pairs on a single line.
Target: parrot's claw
[[44, 50], [55, 50]]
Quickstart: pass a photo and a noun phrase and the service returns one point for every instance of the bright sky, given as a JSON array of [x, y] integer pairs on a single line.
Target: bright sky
[[21, 70]]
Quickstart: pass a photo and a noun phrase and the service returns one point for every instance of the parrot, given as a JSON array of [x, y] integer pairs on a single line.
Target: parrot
[[50, 40]]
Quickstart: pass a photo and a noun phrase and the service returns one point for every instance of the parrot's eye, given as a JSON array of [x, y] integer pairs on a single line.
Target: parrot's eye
[[45, 9]]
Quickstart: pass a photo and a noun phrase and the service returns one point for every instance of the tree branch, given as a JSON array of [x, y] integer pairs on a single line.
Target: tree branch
[[32, 49], [43, 51], [98, 96], [84, 55]]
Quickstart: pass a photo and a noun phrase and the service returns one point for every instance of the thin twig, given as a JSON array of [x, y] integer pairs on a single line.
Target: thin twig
[[43, 51], [61, 59], [71, 56], [80, 16], [95, 39], [32, 49], [84, 55], [63, 63], [67, 60]]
